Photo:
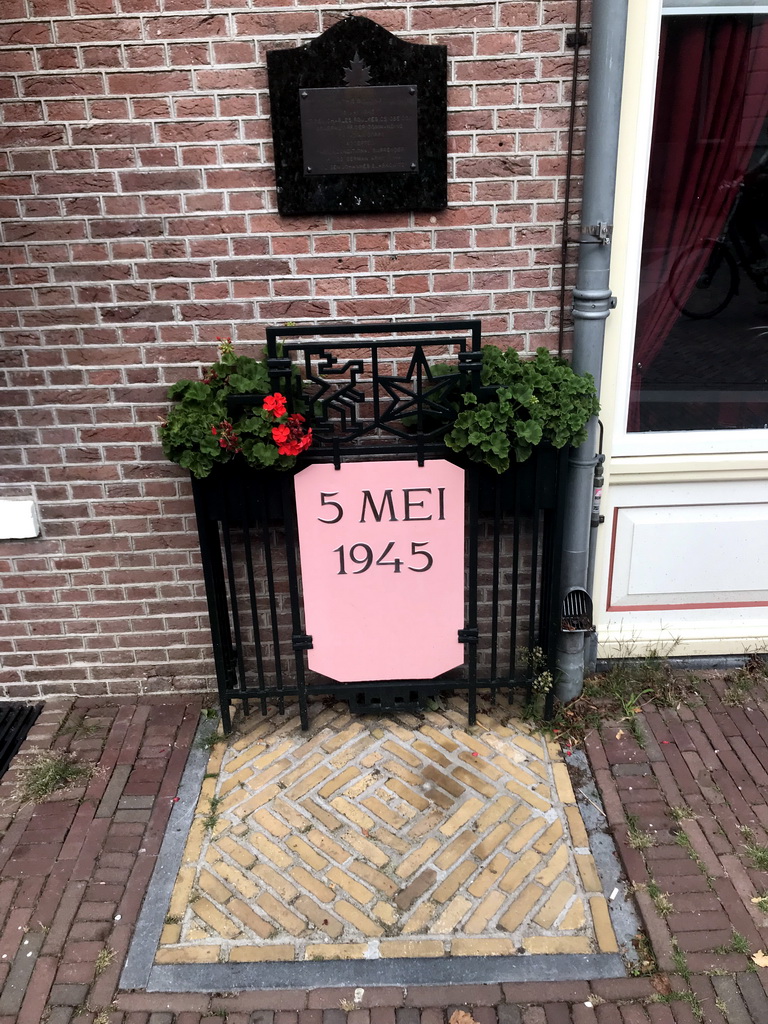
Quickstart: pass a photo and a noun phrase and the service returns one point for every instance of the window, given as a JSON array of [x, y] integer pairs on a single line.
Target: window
[[701, 344]]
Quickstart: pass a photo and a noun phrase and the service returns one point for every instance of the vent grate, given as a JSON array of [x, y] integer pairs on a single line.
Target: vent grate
[[577, 612], [15, 722]]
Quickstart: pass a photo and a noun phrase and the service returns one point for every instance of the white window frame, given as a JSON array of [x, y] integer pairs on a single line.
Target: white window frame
[[713, 6]]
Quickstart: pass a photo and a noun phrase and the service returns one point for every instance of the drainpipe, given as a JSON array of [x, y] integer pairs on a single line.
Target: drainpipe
[[592, 303]]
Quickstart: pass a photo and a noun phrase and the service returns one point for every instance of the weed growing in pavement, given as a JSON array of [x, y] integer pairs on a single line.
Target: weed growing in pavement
[[739, 944], [681, 963], [211, 740], [631, 704], [619, 694], [739, 688], [661, 900], [756, 852], [761, 902], [634, 728], [632, 677], [683, 840], [44, 774], [682, 813], [646, 961], [78, 728], [212, 817], [104, 959], [638, 838], [742, 682], [682, 997], [632, 683]]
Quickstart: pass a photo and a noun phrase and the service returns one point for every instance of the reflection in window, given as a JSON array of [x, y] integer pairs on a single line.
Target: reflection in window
[[701, 346]]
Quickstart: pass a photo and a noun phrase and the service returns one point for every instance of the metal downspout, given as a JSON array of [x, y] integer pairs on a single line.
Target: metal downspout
[[592, 303]]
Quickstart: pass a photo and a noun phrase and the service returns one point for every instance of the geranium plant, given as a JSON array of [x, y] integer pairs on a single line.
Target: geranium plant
[[201, 431], [531, 401]]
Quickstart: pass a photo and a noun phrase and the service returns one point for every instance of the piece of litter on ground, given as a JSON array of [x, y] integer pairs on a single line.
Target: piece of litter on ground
[[614, 894], [587, 1003], [592, 802], [359, 993], [118, 917]]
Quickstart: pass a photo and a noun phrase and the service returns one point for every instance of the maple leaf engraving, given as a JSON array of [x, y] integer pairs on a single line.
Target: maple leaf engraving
[[358, 72]]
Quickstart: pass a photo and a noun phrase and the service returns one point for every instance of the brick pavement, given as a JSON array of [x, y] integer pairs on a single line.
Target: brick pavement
[[73, 872], [415, 836]]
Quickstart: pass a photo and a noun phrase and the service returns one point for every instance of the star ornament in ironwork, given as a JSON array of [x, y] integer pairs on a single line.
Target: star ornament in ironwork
[[419, 388], [358, 73]]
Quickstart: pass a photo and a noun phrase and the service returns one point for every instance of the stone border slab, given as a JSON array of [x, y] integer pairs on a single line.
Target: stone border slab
[[456, 970]]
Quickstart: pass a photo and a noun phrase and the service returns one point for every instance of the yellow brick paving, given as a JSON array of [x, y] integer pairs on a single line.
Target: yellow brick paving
[[377, 838]]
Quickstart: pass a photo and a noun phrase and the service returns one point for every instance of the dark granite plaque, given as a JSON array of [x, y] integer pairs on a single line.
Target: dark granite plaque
[[359, 121]]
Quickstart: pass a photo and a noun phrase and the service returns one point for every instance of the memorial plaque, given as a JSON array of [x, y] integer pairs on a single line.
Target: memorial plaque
[[382, 568], [360, 131], [359, 121]]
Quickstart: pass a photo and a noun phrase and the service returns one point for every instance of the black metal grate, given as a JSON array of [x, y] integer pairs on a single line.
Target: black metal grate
[[577, 611], [15, 722]]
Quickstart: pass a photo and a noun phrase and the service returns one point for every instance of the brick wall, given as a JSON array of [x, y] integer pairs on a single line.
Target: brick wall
[[139, 222]]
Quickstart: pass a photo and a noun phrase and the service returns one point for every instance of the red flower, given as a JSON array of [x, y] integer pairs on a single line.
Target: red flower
[[229, 438], [297, 444], [292, 438], [276, 404]]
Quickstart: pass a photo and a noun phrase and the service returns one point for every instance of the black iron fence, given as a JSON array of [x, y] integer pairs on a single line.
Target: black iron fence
[[374, 391]]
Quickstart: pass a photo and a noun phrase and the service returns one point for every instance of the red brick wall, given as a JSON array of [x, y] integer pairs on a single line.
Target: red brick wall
[[139, 222]]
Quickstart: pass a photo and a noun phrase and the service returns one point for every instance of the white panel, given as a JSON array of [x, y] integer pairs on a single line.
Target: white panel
[[18, 519], [686, 555]]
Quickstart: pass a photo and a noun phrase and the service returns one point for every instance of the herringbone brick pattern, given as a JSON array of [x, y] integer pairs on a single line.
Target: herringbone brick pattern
[[386, 838]]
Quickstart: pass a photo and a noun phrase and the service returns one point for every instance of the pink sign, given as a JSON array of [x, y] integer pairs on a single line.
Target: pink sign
[[382, 568]]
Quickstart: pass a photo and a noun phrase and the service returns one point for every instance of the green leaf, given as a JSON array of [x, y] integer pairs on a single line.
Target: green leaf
[[193, 390]]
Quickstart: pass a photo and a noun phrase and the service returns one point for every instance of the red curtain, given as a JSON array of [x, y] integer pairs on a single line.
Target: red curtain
[[711, 102]]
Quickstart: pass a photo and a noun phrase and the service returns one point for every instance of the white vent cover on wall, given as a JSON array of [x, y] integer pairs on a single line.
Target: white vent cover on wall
[[18, 519]]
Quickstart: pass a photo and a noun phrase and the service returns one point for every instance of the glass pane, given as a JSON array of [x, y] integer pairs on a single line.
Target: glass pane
[[701, 345]]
